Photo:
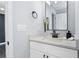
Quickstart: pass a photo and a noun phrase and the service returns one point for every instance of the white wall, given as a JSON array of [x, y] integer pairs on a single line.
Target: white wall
[[71, 16], [77, 20], [9, 29], [49, 14], [24, 25]]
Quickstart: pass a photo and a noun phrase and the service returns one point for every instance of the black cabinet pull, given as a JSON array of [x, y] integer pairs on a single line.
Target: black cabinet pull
[[44, 56], [47, 56]]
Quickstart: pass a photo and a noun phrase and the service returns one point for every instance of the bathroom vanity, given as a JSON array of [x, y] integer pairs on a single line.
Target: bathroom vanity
[[48, 47], [61, 14]]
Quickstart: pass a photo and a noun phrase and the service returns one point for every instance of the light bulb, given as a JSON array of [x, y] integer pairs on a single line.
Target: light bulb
[[55, 2], [2, 9], [48, 2]]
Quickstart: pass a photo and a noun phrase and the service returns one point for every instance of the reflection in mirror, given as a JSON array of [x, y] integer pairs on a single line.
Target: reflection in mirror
[[48, 14], [57, 14]]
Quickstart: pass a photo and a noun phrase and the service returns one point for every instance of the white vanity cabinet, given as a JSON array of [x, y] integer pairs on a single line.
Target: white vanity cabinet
[[41, 50], [36, 54]]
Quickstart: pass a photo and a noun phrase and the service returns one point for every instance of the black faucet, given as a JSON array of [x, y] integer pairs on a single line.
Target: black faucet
[[54, 34]]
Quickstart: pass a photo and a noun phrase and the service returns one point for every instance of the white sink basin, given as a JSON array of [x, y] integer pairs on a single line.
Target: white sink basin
[[62, 42]]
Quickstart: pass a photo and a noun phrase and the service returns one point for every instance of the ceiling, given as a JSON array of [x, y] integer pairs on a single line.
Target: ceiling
[[2, 5], [59, 5]]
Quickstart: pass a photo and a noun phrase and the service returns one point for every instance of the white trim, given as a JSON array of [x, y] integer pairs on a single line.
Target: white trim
[[9, 30], [2, 13]]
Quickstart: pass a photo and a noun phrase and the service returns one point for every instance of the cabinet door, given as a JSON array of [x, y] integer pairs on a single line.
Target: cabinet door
[[61, 52], [47, 55], [51, 51], [52, 56], [36, 54]]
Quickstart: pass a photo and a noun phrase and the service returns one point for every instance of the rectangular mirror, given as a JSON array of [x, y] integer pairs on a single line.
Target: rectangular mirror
[[58, 15]]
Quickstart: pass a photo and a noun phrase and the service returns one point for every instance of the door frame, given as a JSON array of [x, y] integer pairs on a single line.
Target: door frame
[[9, 29]]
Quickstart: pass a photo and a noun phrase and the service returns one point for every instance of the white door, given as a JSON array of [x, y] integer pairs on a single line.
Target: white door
[[8, 29]]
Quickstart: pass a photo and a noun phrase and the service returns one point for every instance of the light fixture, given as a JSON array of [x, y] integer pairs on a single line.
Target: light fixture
[[48, 2], [2, 9], [34, 14], [55, 2]]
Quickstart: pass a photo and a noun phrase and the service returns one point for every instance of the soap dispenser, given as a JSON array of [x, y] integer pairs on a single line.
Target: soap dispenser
[[68, 35], [46, 24]]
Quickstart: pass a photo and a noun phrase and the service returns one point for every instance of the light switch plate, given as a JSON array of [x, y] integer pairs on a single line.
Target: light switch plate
[[21, 27]]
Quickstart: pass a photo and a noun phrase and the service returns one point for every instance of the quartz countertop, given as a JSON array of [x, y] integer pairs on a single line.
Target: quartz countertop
[[60, 42]]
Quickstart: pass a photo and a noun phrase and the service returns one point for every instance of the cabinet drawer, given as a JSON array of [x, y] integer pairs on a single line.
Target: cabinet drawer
[[38, 46], [54, 50], [36, 54], [61, 52]]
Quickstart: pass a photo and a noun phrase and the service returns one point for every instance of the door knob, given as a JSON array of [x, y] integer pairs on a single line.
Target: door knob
[[7, 42]]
